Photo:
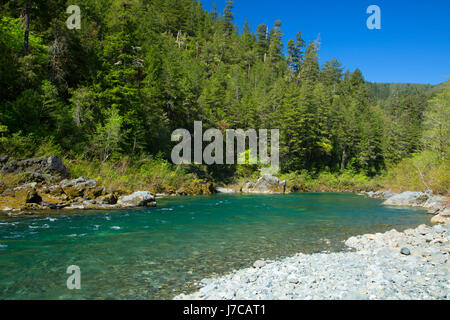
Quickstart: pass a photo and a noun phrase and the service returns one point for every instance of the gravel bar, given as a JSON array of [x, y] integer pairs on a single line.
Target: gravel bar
[[413, 264]]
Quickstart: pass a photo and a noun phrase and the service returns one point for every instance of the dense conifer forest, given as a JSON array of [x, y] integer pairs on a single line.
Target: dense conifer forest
[[109, 95]]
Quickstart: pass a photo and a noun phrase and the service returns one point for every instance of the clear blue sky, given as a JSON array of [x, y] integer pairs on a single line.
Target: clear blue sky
[[413, 44]]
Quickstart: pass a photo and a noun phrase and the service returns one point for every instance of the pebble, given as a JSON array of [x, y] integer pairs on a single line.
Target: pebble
[[292, 279], [405, 251], [259, 264]]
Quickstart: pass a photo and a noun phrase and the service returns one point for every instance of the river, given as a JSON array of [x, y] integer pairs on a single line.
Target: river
[[157, 253]]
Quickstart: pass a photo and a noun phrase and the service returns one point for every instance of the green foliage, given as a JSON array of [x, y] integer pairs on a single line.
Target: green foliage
[[116, 89], [383, 91], [325, 181], [421, 172], [12, 35], [437, 123], [108, 136], [19, 145], [150, 173]]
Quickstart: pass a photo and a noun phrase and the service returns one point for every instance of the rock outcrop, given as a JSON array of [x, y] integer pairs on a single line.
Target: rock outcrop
[[35, 169], [50, 191], [265, 184], [81, 187], [435, 204], [427, 200], [443, 216], [380, 194], [196, 187]]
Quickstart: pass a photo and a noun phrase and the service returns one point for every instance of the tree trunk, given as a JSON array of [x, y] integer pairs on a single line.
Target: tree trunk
[[27, 28], [55, 52], [78, 113], [344, 158], [196, 43]]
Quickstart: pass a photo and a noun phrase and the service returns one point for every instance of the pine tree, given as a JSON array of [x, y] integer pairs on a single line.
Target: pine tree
[[276, 43], [309, 70], [228, 16], [262, 41], [295, 53]]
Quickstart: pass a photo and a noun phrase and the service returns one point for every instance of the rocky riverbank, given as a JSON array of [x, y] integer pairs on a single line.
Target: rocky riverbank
[[436, 205], [43, 184], [413, 264]]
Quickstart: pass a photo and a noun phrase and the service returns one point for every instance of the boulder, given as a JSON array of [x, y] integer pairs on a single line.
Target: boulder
[[443, 217], [408, 198], [55, 165], [380, 194], [56, 190], [434, 203], [53, 205], [445, 212], [37, 168], [81, 187], [265, 184], [224, 190], [249, 185], [107, 199], [162, 195], [27, 194], [137, 199], [39, 177], [196, 187]]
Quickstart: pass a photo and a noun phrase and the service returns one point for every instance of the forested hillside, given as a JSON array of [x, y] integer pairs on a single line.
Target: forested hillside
[[382, 91], [139, 69]]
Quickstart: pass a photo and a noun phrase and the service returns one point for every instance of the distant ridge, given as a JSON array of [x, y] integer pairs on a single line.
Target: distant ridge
[[381, 91]]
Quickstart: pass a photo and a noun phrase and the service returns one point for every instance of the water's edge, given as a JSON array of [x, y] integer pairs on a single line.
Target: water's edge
[[414, 264], [209, 287]]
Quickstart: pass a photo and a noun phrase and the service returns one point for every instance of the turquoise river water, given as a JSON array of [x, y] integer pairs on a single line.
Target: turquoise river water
[[157, 253]]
